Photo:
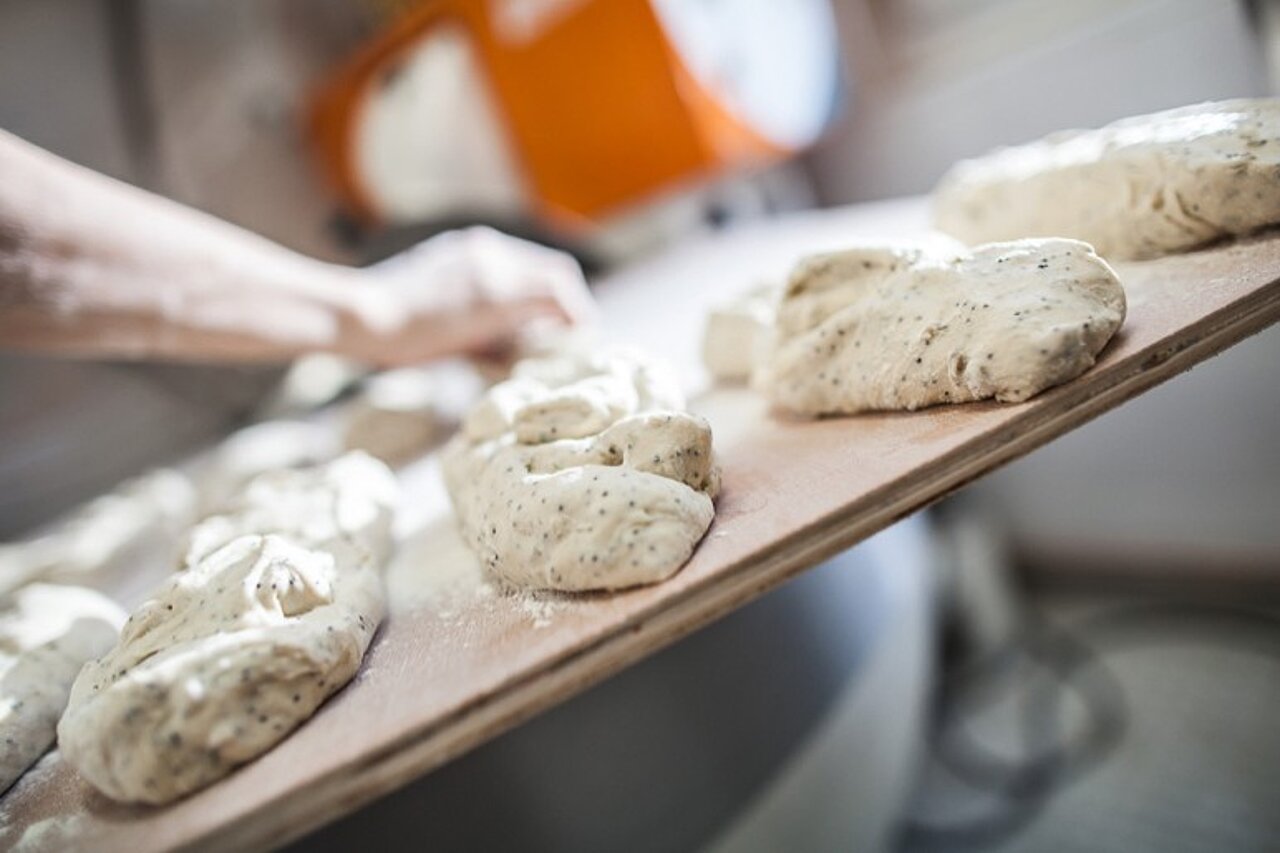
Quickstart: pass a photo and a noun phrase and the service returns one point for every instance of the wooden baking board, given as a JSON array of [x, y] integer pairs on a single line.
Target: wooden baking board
[[459, 662]]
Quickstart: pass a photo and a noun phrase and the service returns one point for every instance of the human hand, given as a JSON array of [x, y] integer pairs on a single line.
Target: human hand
[[462, 292]]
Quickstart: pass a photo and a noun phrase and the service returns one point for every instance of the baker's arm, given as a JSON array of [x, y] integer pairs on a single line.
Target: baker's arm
[[93, 267]]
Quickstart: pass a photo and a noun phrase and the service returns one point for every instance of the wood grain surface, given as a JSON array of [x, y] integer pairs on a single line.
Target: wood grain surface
[[460, 661]]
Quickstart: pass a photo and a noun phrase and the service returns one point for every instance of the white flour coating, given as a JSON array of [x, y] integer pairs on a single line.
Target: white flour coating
[[1138, 188], [64, 832], [582, 473], [238, 649], [267, 446], [444, 578], [47, 633], [538, 608], [739, 333], [433, 569], [394, 416], [898, 327]]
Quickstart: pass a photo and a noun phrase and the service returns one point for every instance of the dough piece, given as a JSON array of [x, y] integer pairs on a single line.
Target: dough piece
[[573, 395], [903, 328], [350, 498], [238, 649], [394, 417], [100, 536], [1138, 188], [738, 334], [583, 474], [312, 381], [47, 633], [262, 447]]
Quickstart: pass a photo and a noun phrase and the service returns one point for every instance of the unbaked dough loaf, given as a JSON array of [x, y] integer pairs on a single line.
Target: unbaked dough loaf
[[347, 499], [394, 416], [47, 633], [1139, 188], [267, 446], [902, 327], [738, 334], [581, 473], [149, 511], [240, 647]]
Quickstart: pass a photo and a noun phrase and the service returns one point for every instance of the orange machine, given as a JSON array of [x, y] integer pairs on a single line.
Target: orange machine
[[602, 103]]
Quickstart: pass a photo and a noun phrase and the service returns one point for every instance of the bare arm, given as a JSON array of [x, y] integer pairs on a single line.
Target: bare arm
[[90, 266]]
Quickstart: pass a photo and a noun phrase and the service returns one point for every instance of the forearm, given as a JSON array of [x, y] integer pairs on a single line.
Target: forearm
[[92, 266]]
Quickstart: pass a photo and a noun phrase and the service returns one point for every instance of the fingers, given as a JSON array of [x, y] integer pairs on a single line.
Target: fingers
[[502, 322], [483, 328], [563, 298], [508, 269], [463, 291], [569, 289]]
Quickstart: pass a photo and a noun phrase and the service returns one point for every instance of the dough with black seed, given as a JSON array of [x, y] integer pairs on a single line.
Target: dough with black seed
[[272, 614], [1139, 188], [583, 473], [904, 327], [47, 632]]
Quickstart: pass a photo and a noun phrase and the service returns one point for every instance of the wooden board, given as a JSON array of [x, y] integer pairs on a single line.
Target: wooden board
[[458, 662]]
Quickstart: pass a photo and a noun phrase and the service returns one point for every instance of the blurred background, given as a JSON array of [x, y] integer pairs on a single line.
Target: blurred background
[[1058, 658]]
